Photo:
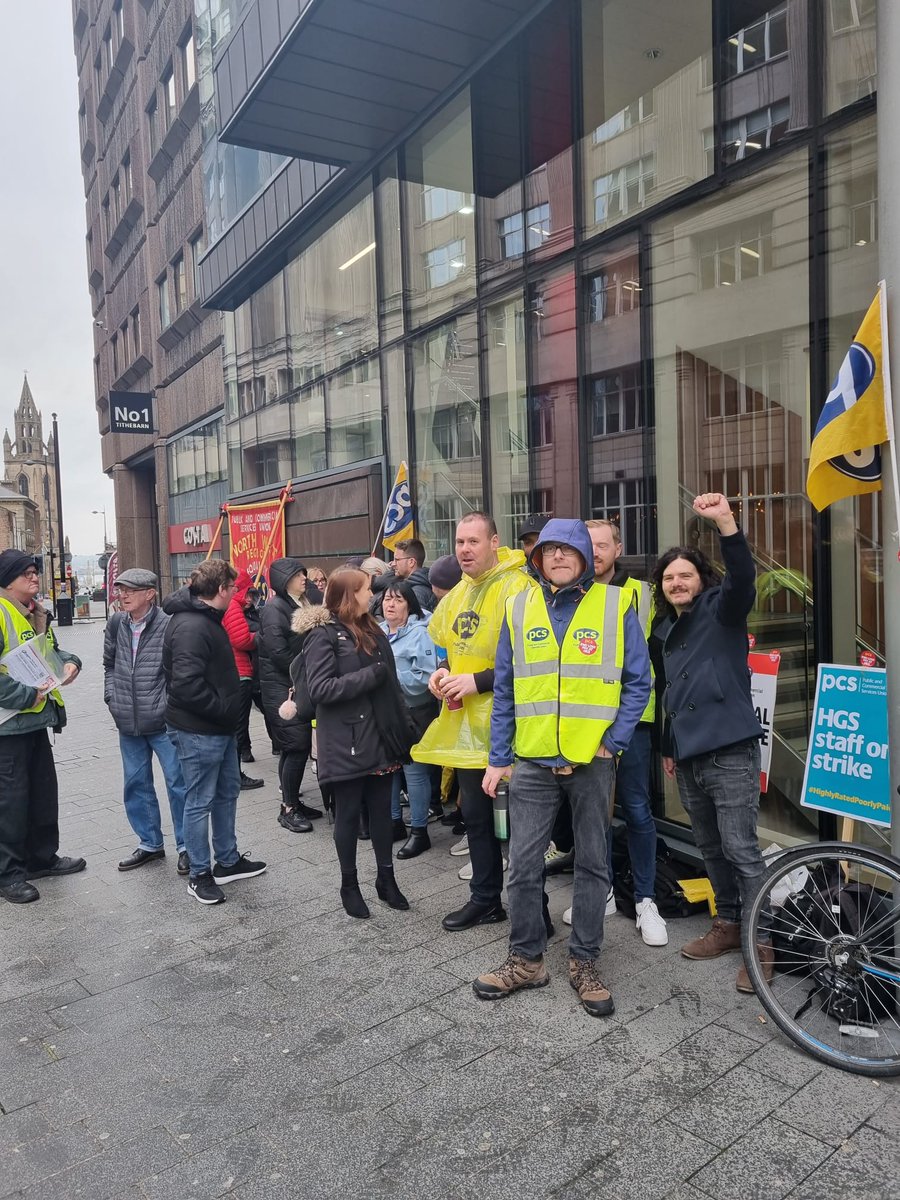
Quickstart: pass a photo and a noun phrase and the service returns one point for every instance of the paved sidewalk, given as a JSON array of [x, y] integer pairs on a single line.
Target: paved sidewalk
[[272, 1047]]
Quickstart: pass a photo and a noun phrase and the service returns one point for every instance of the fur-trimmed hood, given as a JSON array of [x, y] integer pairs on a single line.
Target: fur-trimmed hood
[[305, 619]]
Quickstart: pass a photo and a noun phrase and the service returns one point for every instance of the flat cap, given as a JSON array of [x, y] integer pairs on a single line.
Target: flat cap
[[137, 577]]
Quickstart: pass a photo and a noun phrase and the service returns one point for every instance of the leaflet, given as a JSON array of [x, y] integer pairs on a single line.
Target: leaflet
[[34, 663]]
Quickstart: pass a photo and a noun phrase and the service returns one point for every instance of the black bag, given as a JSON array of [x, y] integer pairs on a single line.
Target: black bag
[[829, 910], [670, 899], [396, 725]]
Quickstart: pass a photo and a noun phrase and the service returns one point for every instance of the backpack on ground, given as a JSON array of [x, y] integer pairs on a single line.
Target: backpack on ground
[[670, 898]]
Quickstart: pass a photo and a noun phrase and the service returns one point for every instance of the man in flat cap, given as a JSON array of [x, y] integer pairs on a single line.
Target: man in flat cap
[[134, 688], [29, 797]]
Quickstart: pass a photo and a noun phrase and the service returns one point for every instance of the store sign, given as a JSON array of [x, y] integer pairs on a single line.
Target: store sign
[[847, 764], [256, 533], [131, 412], [194, 536], [763, 683]]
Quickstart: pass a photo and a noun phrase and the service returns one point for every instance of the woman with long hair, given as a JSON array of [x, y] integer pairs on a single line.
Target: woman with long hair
[[347, 671], [406, 625]]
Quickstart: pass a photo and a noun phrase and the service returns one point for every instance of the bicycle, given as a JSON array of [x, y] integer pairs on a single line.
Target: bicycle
[[832, 911]]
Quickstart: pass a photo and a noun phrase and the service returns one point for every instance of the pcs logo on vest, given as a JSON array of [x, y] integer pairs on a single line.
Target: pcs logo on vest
[[538, 635], [26, 635], [466, 624], [587, 640]]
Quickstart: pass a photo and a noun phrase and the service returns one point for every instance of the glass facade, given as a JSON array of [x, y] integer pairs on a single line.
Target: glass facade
[[613, 270]]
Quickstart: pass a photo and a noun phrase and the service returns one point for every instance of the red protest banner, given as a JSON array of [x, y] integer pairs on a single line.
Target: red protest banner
[[256, 535]]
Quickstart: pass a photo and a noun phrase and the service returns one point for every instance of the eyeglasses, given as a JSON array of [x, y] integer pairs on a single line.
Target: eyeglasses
[[32, 574], [552, 548]]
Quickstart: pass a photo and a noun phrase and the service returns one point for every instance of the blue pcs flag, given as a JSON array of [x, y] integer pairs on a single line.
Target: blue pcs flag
[[398, 519]]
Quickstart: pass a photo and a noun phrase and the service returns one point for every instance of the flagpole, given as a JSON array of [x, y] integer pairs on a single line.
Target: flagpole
[[282, 501], [888, 162], [388, 505], [215, 538]]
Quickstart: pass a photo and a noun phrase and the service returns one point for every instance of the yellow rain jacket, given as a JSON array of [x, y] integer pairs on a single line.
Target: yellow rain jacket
[[467, 625]]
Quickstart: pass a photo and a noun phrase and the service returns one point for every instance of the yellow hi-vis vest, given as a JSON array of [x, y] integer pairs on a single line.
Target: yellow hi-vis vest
[[16, 630], [567, 696], [643, 602]]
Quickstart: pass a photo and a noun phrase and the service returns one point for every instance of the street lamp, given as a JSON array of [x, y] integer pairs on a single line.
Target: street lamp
[[101, 512]]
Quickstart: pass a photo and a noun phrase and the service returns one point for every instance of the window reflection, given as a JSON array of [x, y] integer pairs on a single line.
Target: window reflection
[[850, 61], [354, 414], [553, 413], [507, 397], [447, 418]]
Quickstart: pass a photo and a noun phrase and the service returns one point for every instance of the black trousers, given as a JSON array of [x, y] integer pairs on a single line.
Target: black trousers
[[349, 796], [243, 729], [484, 848], [29, 805]]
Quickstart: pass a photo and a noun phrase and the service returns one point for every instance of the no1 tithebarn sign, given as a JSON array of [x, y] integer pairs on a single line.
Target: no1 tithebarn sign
[[131, 412]]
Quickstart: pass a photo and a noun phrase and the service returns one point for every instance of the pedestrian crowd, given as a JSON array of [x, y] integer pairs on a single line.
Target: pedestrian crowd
[[509, 693]]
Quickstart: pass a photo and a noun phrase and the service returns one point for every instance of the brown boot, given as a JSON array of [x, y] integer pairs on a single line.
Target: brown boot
[[592, 991], [512, 976], [766, 956], [722, 937]]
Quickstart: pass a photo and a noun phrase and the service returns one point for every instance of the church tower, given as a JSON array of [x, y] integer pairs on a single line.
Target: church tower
[[29, 465]]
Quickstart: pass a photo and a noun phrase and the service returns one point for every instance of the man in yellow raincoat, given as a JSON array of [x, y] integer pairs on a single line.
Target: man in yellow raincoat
[[467, 624]]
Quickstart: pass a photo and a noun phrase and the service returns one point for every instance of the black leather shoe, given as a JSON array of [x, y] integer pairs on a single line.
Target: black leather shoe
[[139, 857], [473, 914], [311, 814], [247, 756], [184, 863], [61, 866], [290, 819], [417, 843], [248, 784], [20, 892]]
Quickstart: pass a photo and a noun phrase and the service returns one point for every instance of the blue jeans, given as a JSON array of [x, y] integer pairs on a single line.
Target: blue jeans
[[633, 797], [141, 803], [418, 788], [212, 778], [535, 794], [720, 792]]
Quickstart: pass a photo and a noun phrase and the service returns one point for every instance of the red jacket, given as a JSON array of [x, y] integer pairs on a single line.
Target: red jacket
[[243, 642]]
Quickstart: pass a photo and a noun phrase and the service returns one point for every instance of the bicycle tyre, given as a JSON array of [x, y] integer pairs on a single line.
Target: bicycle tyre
[[828, 854]]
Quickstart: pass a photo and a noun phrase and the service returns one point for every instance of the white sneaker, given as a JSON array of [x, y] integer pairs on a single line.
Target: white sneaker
[[461, 847], [567, 916], [611, 909], [466, 871], [650, 923]]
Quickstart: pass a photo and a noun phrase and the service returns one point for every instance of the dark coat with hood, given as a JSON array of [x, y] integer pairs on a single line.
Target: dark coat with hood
[[418, 579], [203, 683], [135, 691], [343, 683], [277, 646]]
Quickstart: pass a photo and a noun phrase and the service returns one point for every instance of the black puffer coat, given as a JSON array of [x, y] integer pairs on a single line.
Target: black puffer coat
[[341, 681], [277, 647], [204, 688], [135, 692]]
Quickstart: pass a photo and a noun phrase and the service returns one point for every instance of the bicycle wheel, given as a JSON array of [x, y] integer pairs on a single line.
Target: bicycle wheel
[[833, 913]]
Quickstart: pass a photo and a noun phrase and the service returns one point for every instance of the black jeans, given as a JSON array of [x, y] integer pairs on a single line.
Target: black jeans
[[29, 805], [243, 728], [484, 848], [348, 798]]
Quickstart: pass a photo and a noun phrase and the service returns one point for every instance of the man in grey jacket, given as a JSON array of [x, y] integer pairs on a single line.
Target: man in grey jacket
[[134, 688]]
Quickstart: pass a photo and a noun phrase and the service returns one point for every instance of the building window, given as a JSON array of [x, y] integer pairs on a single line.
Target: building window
[[99, 77], [616, 401], [197, 246], [127, 179], [624, 502], [123, 339], [153, 125], [23, 485], [118, 24], [520, 230], [732, 255], [167, 83], [162, 297], [188, 63], [179, 278], [540, 420], [82, 123], [440, 202], [116, 194], [633, 113], [613, 292], [107, 220], [758, 43], [109, 53], [445, 263], [624, 190], [136, 332], [114, 347], [756, 131], [851, 14]]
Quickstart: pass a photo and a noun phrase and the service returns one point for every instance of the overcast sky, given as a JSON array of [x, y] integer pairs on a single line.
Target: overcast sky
[[45, 314]]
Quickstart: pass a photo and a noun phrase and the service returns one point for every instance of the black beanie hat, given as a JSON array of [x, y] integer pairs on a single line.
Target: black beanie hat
[[14, 563], [445, 572]]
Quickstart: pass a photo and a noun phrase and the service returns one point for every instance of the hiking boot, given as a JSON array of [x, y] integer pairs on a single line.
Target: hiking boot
[[592, 991], [516, 974], [651, 925], [720, 938], [557, 861], [766, 956]]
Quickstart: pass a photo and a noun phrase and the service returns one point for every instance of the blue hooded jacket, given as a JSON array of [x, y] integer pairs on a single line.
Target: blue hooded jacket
[[415, 657], [561, 606]]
